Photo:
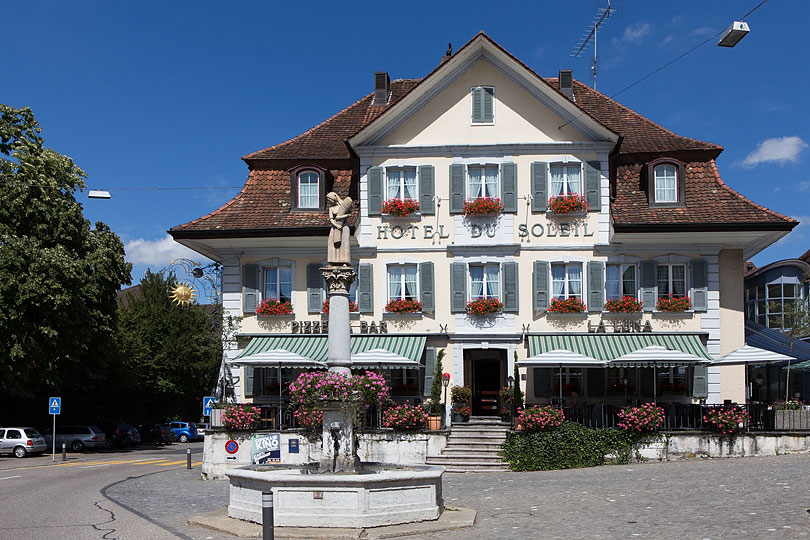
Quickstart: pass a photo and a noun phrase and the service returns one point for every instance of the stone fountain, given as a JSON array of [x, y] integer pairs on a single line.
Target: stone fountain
[[338, 491]]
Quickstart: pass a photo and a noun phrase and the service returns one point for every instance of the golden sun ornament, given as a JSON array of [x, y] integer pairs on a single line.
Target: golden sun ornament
[[183, 293]]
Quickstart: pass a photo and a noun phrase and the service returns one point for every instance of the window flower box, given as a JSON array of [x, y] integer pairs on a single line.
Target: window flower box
[[484, 306], [274, 308], [567, 305], [353, 307], [400, 207], [483, 206], [626, 304], [673, 304], [567, 204], [403, 305]]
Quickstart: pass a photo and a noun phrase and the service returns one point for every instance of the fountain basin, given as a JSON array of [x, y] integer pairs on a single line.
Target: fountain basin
[[381, 494]]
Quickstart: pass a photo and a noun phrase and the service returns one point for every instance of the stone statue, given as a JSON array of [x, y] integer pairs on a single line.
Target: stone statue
[[339, 211]]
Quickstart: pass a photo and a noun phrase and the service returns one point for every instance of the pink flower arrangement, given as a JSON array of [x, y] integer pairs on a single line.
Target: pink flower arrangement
[[726, 421], [567, 305], [673, 304], [405, 417], [565, 204], [484, 306], [400, 207], [482, 206], [353, 307], [647, 417], [625, 304], [403, 305], [241, 417], [540, 418], [272, 307], [309, 418], [373, 388]]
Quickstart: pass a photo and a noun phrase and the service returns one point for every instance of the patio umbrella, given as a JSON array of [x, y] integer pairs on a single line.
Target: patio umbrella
[[748, 355], [654, 355], [561, 358], [382, 358]]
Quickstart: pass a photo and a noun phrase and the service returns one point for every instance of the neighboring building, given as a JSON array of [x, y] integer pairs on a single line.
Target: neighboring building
[[768, 290], [660, 222]]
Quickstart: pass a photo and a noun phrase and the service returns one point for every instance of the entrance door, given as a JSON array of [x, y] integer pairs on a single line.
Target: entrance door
[[485, 369]]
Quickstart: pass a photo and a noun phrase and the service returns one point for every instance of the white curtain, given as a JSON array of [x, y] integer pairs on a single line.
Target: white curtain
[[476, 282], [558, 281], [476, 185], [409, 183], [394, 282], [574, 181], [574, 280], [557, 181], [491, 182], [612, 289], [410, 282], [393, 183], [493, 290]]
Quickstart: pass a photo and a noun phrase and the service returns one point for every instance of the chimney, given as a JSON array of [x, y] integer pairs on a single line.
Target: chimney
[[381, 88], [567, 83], [447, 55]]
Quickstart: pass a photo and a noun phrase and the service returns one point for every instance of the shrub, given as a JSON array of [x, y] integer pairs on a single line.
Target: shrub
[[400, 207], [673, 304], [625, 304], [726, 421], [484, 306], [647, 417], [569, 446], [405, 417], [791, 405], [540, 418], [242, 416], [565, 204], [403, 305], [271, 308], [567, 305], [460, 394], [435, 407], [482, 206], [353, 307]]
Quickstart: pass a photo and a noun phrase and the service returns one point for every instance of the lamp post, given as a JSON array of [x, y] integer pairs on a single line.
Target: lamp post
[[624, 383], [445, 383], [510, 381]]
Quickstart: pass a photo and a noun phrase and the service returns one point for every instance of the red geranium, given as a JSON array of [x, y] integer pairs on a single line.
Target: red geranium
[[400, 207], [625, 304], [567, 305], [482, 206], [673, 304], [272, 307], [484, 306], [403, 305], [565, 204]]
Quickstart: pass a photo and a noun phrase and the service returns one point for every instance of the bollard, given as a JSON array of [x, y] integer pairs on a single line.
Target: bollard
[[188, 458], [267, 515], [64, 452]]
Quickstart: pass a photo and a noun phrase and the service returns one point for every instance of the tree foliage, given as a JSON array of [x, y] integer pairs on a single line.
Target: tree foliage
[[58, 276], [169, 354]]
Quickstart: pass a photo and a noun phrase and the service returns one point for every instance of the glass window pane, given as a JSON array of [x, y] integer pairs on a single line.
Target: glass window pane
[[663, 280], [558, 281], [409, 184], [557, 180], [393, 183], [665, 184], [476, 281], [285, 283], [574, 280], [574, 184], [271, 283], [394, 282], [491, 182], [679, 280], [476, 174], [492, 288], [789, 290], [629, 281], [761, 292], [774, 321], [612, 289], [410, 282], [308, 190], [774, 291]]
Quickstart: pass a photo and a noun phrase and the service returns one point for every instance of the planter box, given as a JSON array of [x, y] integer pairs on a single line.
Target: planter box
[[216, 418], [792, 420]]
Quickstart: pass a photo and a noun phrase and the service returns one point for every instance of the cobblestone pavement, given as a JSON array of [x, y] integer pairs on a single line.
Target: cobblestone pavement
[[738, 498]]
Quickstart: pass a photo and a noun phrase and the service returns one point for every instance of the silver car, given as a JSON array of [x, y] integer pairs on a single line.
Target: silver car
[[77, 438], [21, 441]]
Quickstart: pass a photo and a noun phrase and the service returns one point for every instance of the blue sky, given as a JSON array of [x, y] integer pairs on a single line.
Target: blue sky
[[152, 95]]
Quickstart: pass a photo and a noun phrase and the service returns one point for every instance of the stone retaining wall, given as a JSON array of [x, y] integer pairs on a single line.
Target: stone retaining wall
[[673, 446]]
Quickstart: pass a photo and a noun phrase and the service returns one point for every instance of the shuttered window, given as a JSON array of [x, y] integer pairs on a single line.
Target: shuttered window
[[485, 281], [620, 281], [278, 283], [308, 189], [482, 182], [402, 282], [566, 180], [566, 281], [671, 280], [483, 104], [401, 183]]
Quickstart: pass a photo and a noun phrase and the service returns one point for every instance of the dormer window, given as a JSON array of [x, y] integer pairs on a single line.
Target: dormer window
[[665, 183], [308, 188], [483, 104]]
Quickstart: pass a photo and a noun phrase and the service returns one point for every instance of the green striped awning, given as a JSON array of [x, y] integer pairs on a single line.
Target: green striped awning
[[609, 347], [314, 346]]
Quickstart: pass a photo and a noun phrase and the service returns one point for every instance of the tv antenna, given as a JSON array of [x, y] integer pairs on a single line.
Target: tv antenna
[[601, 16]]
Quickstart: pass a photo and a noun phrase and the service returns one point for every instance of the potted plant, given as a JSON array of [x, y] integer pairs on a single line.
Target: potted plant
[[241, 417], [505, 396], [483, 206], [405, 417], [673, 304], [484, 306], [625, 304], [435, 406], [400, 207], [461, 396], [566, 204], [353, 307], [403, 305], [271, 307], [567, 305]]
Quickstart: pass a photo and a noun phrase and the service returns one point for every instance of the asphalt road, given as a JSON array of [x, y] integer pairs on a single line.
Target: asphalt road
[[45, 500]]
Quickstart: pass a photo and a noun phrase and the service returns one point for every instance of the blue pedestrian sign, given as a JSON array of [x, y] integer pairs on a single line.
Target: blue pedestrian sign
[[54, 405], [208, 404]]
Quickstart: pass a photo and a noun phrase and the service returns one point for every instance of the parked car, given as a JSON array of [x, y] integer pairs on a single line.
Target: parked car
[[168, 434], [118, 433], [21, 441], [204, 428], [185, 431], [136, 435], [77, 438], [152, 433]]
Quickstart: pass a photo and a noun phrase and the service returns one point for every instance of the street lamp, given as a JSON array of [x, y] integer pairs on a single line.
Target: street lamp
[[445, 383], [510, 381], [733, 34]]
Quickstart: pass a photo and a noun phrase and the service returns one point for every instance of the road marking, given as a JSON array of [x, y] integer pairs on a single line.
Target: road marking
[[172, 463], [10, 477], [99, 465], [150, 462]]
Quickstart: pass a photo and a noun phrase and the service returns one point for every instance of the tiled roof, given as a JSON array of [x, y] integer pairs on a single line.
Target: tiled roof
[[708, 201]]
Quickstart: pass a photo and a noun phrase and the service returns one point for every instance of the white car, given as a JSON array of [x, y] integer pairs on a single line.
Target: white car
[[21, 441]]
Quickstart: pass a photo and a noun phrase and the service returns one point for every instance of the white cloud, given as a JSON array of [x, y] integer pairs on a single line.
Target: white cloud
[[799, 236], [157, 253], [779, 150], [636, 32], [803, 186], [703, 31]]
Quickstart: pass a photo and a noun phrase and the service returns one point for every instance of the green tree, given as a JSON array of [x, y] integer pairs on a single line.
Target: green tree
[[58, 276], [169, 354]]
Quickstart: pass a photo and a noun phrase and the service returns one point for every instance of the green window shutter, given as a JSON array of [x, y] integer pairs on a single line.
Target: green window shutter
[[540, 279], [314, 288], [375, 191], [427, 189], [593, 176], [510, 287], [648, 284], [509, 187], [251, 278], [426, 294], [542, 382], [477, 105], [596, 286], [458, 287], [700, 382], [700, 285], [249, 382], [539, 186], [457, 188], [365, 289], [430, 367], [488, 98]]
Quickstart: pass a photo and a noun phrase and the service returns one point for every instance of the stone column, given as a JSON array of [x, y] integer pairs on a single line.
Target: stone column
[[338, 427], [338, 280]]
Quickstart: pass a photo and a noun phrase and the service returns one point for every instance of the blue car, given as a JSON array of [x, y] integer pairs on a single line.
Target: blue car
[[185, 431]]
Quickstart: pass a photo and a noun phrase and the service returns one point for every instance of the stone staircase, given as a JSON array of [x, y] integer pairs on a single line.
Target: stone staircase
[[473, 446]]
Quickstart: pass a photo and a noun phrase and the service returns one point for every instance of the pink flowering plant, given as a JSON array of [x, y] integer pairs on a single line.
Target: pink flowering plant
[[625, 304], [373, 388], [311, 419], [483, 206], [272, 308], [567, 305], [646, 417], [241, 417], [565, 204], [400, 207], [405, 417], [537, 418], [726, 421], [673, 304]]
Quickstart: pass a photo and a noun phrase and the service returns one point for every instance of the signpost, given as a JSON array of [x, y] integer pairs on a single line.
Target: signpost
[[54, 408], [208, 404]]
